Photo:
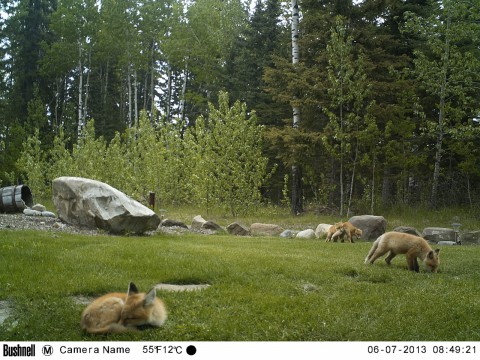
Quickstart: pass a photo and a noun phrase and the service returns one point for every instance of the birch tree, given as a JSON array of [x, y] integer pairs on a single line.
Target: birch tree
[[297, 201]]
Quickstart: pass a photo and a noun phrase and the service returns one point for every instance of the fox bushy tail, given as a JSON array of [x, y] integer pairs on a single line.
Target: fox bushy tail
[[372, 251]]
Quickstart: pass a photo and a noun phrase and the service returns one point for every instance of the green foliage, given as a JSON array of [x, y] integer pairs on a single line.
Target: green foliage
[[219, 162], [230, 168], [33, 164]]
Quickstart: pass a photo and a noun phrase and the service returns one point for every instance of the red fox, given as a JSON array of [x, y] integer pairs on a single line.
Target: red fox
[[342, 230], [400, 243], [335, 231], [122, 312]]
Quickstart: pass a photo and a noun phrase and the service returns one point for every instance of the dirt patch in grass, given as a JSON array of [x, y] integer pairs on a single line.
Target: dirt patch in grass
[[174, 287], [5, 311]]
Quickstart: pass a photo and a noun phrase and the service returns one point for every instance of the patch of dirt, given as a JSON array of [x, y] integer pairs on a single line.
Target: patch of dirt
[[5, 311], [173, 287]]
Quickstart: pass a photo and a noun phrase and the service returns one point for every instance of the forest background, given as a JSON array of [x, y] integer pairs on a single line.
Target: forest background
[[335, 106]]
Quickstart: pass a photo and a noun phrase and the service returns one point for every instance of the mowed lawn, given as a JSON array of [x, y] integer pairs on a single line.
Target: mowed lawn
[[262, 288]]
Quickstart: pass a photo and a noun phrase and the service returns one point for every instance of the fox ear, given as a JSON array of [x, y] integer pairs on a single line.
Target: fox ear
[[437, 251], [132, 289], [150, 297]]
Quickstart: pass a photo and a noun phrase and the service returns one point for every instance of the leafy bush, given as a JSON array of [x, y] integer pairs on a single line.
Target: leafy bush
[[217, 163]]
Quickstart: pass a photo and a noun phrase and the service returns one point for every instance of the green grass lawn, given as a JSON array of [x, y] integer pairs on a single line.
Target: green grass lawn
[[262, 288]]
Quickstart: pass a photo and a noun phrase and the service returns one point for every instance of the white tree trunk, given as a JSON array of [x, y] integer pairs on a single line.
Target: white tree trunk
[[441, 118], [152, 83], [87, 85], [80, 90], [135, 87], [295, 53], [169, 92], [129, 119], [296, 196], [184, 93]]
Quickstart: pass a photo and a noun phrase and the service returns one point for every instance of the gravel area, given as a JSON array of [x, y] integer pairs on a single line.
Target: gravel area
[[24, 222]]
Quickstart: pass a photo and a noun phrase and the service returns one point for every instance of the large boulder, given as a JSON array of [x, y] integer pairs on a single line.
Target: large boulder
[[372, 226], [92, 203]]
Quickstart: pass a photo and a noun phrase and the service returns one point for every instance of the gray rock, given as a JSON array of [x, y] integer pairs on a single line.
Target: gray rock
[[408, 230], [265, 229], [30, 212], [210, 225], [93, 204], [470, 238], [436, 234], [288, 234], [38, 207], [371, 226], [447, 243], [238, 229], [198, 222], [48, 214], [322, 230], [172, 223], [306, 234]]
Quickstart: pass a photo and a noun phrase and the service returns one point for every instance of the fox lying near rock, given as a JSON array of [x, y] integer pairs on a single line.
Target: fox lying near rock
[[401, 243], [122, 312]]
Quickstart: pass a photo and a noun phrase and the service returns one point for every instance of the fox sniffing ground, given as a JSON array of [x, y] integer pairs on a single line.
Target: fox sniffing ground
[[122, 312], [400, 243]]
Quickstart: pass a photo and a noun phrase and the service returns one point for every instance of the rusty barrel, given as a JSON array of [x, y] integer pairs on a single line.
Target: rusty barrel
[[15, 198]]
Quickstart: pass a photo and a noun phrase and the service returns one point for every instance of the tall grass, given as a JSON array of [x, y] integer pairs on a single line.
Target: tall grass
[[262, 288]]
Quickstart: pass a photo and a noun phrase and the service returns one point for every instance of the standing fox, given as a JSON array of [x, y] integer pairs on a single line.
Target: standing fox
[[122, 312], [400, 243]]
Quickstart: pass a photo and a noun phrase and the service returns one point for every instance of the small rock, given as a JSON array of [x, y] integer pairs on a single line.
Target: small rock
[[48, 214], [288, 234], [408, 230], [30, 212], [306, 234], [265, 229], [322, 230], [197, 222], [238, 229], [38, 207], [171, 223], [210, 225], [447, 243]]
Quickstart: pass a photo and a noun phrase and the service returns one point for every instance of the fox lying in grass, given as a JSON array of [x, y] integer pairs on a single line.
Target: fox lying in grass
[[400, 243], [122, 312]]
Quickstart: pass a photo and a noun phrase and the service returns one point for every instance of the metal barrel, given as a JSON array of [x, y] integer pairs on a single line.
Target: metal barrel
[[15, 198]]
